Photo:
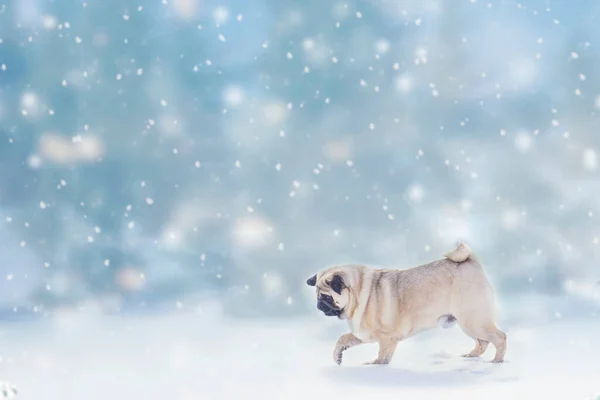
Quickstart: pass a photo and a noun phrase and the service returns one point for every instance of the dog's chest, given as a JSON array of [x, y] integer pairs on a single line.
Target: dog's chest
[[358, 331]]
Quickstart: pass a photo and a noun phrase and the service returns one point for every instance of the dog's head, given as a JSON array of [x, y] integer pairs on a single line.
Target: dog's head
[[334, 294]]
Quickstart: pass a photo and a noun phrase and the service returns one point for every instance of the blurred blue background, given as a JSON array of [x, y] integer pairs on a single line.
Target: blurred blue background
[[157, 154]]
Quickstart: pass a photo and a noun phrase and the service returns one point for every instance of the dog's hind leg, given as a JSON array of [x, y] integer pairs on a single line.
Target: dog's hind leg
[[484, 334], [498, 338], [480, 348], [481, 345]]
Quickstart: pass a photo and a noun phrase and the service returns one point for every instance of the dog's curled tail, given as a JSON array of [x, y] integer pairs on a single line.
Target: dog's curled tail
[[461, 253]]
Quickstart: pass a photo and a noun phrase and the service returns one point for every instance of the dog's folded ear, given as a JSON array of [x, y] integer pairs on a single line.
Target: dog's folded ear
[[337, 284], [312, 281]]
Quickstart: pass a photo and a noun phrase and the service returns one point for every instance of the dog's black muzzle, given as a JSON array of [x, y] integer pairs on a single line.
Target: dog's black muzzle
[[326, 304]]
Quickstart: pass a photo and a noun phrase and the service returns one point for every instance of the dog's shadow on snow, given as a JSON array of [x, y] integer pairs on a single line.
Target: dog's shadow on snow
[[378, 375]]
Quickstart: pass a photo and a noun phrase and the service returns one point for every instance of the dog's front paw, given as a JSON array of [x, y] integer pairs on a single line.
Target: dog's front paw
[[7, 390], [338, 354]]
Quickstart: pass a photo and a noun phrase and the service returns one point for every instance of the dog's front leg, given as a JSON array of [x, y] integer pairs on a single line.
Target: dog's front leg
[[387, 347], [344, 343]]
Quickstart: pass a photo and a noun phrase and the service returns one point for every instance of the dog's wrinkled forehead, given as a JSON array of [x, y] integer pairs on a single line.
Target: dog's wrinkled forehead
[[324, 280], [321, 279], [328, 280]]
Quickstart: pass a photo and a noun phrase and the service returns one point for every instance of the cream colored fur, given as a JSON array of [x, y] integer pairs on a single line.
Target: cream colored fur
[[386, 306]]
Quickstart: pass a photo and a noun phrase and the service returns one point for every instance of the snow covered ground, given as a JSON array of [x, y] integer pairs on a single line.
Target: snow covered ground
[[205, 356]]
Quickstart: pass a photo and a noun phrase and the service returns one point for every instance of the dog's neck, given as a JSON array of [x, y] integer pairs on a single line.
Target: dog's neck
[[356, 306]]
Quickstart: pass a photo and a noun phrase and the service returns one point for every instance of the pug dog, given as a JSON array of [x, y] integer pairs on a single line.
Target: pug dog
[[386, 306]]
